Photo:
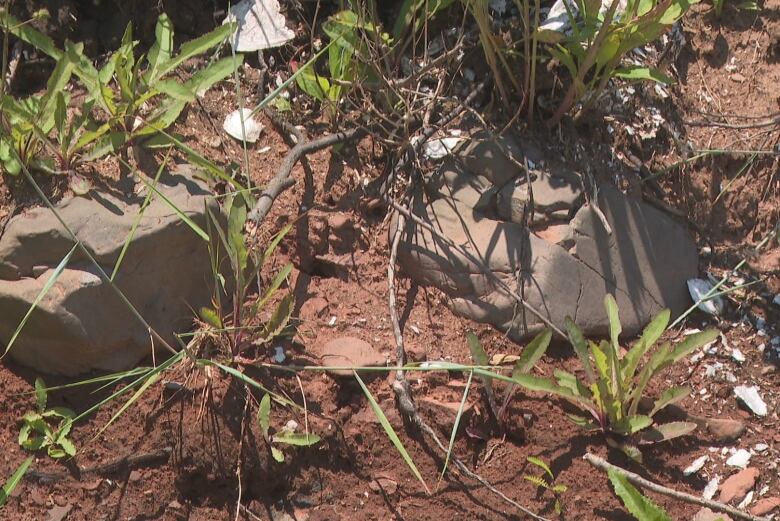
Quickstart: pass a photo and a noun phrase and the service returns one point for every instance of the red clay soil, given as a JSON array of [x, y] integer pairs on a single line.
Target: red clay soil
[[174, 454]]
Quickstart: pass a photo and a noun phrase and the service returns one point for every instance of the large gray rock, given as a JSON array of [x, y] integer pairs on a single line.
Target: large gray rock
[[563, 262], [81, 324]]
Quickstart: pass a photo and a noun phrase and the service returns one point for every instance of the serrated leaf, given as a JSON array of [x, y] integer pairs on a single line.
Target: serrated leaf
[[264, 414], [299, 439], [666, 431], [67, 445], [670, 396], [638, 505], [541, 464], [532, 353], [280, 317], [277, 454], [640, 73], [194, 48], [539, 482]]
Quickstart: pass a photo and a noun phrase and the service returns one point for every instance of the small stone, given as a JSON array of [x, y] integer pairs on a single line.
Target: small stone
[[314, 307], [739, 459], [765, 506], [350, 352], [711, 488], [135, 476], [696, 466], [768, 369], [736, 486], [384, 485], [760, 447], [705, 514], [750, 397]]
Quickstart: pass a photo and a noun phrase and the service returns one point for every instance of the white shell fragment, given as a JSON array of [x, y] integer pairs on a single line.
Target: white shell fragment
[[745, 502], [700, 287], [737, 355], [260, 25], [439, 148], [711, 488], [750, 397], [696, 466], [558, 18], [739, 459], [252, 129]]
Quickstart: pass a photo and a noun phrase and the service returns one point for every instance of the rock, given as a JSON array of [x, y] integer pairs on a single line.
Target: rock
[[711, 487], [765, 506], [751, 398], [314, 308], [725, 429], [736, 486], [81, 324], [705, 514], [350, 352], [383, 484], [565, 268]]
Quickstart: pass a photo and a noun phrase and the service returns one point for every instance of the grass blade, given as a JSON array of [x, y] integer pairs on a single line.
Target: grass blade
[[44, 290], [390, 432], [456, 425], [14, 480]]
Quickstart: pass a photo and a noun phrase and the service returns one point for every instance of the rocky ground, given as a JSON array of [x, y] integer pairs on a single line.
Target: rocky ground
[[173, 454]]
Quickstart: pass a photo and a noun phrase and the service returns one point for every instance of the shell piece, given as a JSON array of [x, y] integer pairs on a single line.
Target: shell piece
[[739, 459], [696, 466], [252, 129], [750, 397], [261, 25]]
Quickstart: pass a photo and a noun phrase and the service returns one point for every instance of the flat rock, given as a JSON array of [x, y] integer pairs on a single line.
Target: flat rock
[[349, 352], [81, 324], [736, 486], [765, 506], [565, 267], [705, 514], [725, 429]]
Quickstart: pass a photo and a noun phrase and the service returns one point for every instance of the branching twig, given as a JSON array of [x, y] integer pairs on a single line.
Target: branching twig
[[283, 180], [602, 464]]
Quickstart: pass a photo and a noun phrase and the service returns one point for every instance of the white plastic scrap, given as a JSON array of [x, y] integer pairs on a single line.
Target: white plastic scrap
[[711, 488], [750, 397], [251, 131], [700, 287], [739, 459], [558, 18], [737, 355], [439, 148], [696, 466], [745, 502], [260, 25]]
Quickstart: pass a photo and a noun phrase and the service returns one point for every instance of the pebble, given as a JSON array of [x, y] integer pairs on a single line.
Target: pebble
[[696, 466], [736, 486], [765, 506], [739, 459], [750, 397]]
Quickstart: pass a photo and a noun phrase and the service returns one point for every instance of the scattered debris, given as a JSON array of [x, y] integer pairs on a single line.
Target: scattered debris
[[739, 458], [750, 397], [711, 487], [261, 25], [251, 130], [698, 288], [696, 466]]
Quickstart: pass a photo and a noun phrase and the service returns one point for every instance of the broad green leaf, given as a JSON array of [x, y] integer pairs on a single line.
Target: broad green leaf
[[633, 424], [312, 84], [194, 48], [580, 347], [650, 336], [638, 505], [666, 431], [162, 50], [532, 353], [396, 441], [670, 396], [637, 72], [175, 90], [570, 381], [67, 446], [14, 480], [657, 360], [264, 414], [44, 290], [299, 439], [691, 343], [614, 320], [277, 454], [40, 394], [205, 78], [108, 144]]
